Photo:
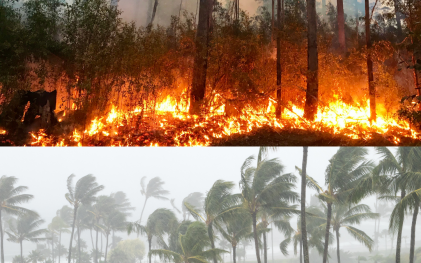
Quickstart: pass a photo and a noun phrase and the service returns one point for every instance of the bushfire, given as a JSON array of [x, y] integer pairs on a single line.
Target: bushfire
[[171, 125]]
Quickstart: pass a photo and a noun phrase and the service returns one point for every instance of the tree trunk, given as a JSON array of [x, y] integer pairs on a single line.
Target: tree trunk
[[234, 254], [197, 93], [303, 205], [78, 244], [52, 246], [150, 247], [399, 239], [413, 228], [271, 232], [96, 246], [148, 12], [312, 94], [143, 209], [92, 239], [71, 235], [155, 6], [341, 26], [210, 234], [301, 250], [273, 21], [1, 234], [398, 18], [59, 247], [329, 216], [338, 252], [106, 250], [100, 254], [21, 252], [371, 87], [278, 63], [265, 250], [256, 240]]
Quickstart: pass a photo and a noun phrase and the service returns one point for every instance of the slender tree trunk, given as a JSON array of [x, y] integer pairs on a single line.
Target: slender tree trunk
[[265, 250], [278, 63], [150, 248], [96, 246], [273, 20], [413, 228], [100, 254], [59, 247], [143, 209], [21, 252], [210, 234], [106, 250], [399, 239], [52, 246], [148, 12], [71, 235], [234, 254], [197, 93], [338, 252], [329, 216], [303, 205], [312, 94], [92, 239], [78, 244], [301, 250], [155, 6], [371, 87], [1, 233], [341, 26], [256, 240], [271, 232]]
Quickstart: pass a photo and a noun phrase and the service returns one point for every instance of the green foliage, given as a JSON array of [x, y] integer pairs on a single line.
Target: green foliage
[[127, 251]]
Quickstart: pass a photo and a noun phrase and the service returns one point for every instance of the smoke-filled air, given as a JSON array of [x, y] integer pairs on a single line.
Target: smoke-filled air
[[209, 72], [237, 205]]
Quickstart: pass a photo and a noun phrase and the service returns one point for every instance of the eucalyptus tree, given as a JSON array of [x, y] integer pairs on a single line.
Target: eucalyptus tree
[[26, 227], [154, 189], [344, 216], [83, 193], [161, 221], [195, 246], [345, 171], [219, 202], [10, 198], [265, 188]]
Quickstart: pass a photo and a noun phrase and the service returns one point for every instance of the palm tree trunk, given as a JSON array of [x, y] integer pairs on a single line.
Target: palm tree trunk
[[78, 243], [301, 250], [303, 205], [150, 247], [399, 239], [312, 94], [329, 216], [414, 224], [92, 239], [141, 214], [96, 246], [341, 26], [106, 250], [59, 247], [71, 235], [1, 234], [52, 246], [265, 250], [256, 240], [371, 87], [155, 6], [100, 254], [338, 253], [271, 232], [21, 252], [278, 64], [234, 254], [210, 234]]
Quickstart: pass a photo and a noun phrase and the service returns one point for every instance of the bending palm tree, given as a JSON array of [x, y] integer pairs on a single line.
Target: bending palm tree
[[161, 221], [25, 228], [194, 246], [10, 198], [219, 202], [265, 188], [153, 189], [82, 194]]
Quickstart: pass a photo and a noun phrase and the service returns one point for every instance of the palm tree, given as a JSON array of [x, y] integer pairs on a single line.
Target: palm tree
[[194, 199], [112, 221], [10, 198], [344, 173], [154, 189], [219, 202], [25, 228], [35, 256], [265, 188], [303, 205], [161, 221], [59, 226], [345, 216], [194, 244], [65, 214], [83, 193]]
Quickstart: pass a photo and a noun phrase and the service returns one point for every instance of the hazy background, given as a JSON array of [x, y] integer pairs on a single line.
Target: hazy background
[[184, 170]]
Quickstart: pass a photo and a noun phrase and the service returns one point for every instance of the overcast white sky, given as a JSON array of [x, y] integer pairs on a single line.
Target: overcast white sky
[[184, 170]]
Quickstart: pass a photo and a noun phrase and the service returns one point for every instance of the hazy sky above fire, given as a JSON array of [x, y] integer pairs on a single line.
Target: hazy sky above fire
[[184, 170]]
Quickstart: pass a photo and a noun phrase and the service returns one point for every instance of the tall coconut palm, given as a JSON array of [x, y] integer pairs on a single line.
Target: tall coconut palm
[[65, 214], [83, 193], [113, 220], [25, 228], [345, 216], [59, 226], [303, 205], [10, 198], [154, 189], [161, 221], [195, 245], [345, 171], [266, 188], [219, 202]]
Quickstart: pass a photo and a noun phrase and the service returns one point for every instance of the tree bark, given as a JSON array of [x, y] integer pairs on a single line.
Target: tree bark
[[1, 233], [155, 6], [143, 209], [210, 234], [52, 246], [197, 93], [329, 216], [150, 247], [399, 239], [265, 251], [371, 87], [96, 246], [106, 250], [234, 254], [59, 247], [301, 250], [341, 26], [310, 108], [78, 243], [413, 228], [278, 63], [71, 235], [338, 253], [303, 205], [256, 240]]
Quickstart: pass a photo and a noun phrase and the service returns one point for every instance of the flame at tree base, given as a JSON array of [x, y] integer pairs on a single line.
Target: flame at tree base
[[171, 125]]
